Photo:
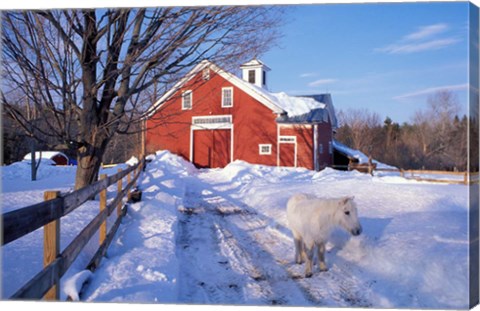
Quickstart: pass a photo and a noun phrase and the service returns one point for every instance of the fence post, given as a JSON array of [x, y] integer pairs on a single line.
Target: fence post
[[103, 205], [51, 247], [129, 178], [465, 178], [119, 189], [135, 172], [370, 165]]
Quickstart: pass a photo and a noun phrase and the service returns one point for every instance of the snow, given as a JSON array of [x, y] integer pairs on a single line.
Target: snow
[[360, 156], [292, 105], [220, 236], [296, 106], [44, 155], [132, 161], [73, 285]]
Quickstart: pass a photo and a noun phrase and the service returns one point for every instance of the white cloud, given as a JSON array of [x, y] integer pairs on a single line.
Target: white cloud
[[426, 31], [418, 46], [308, 74], [432, 90], [322, 82], [424, 39]]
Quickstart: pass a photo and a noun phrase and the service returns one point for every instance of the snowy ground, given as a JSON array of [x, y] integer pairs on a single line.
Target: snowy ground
[[220, 237]]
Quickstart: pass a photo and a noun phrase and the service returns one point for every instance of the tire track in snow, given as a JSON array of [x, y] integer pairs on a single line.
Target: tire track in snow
[[252, 276], [336, 287], [204, 276], [260, 249]]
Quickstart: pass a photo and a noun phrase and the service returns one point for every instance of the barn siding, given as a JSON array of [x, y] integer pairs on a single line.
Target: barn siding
[[253, 123], [325, 137]]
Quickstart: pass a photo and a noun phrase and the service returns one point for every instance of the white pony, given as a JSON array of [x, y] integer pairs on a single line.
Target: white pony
[[311, 221]]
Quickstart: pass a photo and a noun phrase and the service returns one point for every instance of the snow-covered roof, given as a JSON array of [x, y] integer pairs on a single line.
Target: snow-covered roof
[[44, 155], [349, 152], [326, 99], [280, 103], [297, 106], [292, 105]]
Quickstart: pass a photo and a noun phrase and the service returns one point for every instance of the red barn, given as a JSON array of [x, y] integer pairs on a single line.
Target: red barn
[[212, 117]]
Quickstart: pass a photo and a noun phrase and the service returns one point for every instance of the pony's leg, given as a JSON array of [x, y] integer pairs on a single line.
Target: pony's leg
[[321, 256], [299, 258], [297, 239], [303, 253], [309, 265]]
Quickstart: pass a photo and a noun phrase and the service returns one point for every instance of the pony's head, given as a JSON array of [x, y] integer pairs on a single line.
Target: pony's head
[[347, 216]]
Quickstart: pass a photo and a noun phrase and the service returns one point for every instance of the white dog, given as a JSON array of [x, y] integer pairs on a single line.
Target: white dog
[[312, 219]]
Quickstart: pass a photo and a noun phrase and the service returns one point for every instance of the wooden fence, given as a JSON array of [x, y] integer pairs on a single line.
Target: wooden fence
[[47, 214], [448, 177], [430, 175]]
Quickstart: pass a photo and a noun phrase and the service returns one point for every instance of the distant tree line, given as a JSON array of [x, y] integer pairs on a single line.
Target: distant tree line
[[436, 138], [17, 142]]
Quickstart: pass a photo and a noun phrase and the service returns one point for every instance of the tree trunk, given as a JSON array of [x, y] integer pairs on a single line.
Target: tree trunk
[[89, 160], [33, 162], [87, 170]]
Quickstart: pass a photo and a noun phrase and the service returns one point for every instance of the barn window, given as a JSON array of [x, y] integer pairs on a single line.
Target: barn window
[[187, 100], [251, 76], [265, 149], [227, 97], [212, 122], [320, 148], [330, 147]]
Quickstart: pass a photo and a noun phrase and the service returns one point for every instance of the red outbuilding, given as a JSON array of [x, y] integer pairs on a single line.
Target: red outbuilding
[[212, 117]]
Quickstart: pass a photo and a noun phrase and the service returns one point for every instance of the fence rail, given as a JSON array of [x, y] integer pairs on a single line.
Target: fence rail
[[47, 214], [426, 175], [419, 175]]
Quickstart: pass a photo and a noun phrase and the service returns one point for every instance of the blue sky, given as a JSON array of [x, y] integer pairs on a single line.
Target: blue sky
[[387, 58]]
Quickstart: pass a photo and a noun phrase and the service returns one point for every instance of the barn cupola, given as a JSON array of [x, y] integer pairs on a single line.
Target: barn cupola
[[255, 72]]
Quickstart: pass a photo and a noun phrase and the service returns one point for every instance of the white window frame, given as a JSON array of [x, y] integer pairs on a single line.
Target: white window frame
[[284, 139], [212, 122], [184, 95], [260, 149], [223, 96], [254, 76]]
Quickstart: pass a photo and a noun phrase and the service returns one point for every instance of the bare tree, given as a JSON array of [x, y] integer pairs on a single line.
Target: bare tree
[[435, 126], [84, 70], [361, 126]]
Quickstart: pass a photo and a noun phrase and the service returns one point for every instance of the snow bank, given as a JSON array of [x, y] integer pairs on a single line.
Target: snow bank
[[142, 263], [413, 252], [73, 285], [21, 171]]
